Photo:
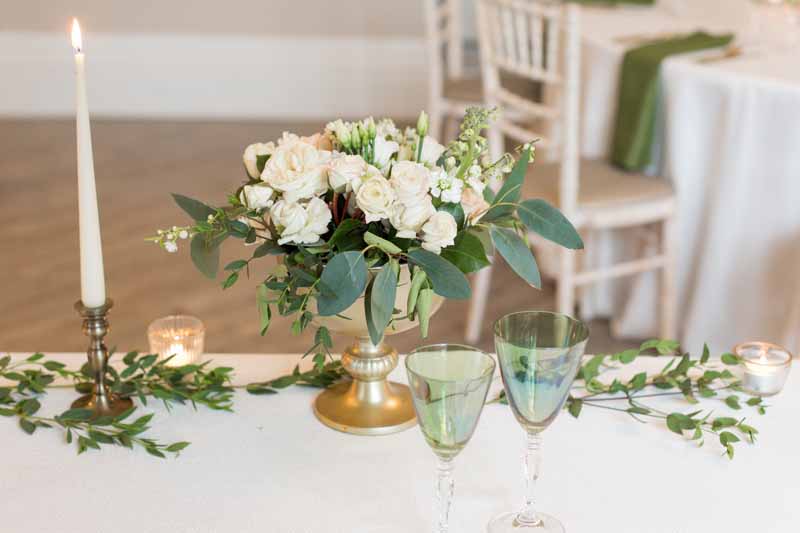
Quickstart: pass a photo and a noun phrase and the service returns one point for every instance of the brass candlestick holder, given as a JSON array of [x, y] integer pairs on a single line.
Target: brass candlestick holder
[[101, 401]]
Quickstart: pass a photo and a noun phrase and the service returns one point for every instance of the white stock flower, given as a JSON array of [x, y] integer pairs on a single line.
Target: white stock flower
[[250, 156], [298, 224], [297, 170], [439, 232], [376, 197], [473, 204], [476, 183], [257, 196], [446, 186], [411, 181], [345, 172], [386, 128], [384, 150], [408, 219], [431, 151]]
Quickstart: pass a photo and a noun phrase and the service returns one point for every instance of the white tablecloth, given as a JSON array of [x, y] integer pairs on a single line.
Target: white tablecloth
[[272, 468], [729, 139]]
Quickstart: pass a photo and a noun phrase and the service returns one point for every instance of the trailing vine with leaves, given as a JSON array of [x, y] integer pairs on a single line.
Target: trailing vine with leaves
[[143, 377], [691, 379]]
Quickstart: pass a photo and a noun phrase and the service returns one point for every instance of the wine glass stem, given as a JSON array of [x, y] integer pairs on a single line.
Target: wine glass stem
[[444, 493], [531, 461]]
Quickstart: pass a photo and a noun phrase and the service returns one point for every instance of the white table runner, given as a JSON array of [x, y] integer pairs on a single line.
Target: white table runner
[[271, 467]]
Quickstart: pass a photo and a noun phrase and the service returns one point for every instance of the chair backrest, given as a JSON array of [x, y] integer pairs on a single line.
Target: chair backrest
[[445, 37], [538, 40]]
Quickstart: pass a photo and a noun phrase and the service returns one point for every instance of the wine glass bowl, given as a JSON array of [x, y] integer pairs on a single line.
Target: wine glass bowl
[[539, 354], [449, 384]]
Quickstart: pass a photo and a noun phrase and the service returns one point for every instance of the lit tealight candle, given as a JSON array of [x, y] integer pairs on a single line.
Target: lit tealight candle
[[766, 367], [180, 338]]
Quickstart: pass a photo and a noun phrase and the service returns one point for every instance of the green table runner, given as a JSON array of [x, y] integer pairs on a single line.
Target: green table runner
[[636, 108]]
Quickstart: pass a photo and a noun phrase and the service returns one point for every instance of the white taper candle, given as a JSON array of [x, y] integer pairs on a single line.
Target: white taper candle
[[93, 285]]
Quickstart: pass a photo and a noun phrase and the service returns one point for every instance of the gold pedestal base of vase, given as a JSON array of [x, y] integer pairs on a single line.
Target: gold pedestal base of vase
[[369, 404]]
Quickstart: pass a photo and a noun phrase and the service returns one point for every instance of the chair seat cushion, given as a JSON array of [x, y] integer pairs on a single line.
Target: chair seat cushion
[[601, 185]]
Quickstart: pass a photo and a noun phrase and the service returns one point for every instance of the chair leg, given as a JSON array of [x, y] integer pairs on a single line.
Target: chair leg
[[482, 281], [565, 290], [668, 328]]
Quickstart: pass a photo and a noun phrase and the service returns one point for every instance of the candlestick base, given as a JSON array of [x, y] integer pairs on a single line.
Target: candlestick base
[[111, 405], [100, 401]]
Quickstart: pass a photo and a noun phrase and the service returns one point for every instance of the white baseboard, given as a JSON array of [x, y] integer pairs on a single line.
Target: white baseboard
[[215, 76]]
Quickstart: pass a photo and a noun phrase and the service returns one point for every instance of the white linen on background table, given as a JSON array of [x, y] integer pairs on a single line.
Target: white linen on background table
[[272, 468], [729, 142]]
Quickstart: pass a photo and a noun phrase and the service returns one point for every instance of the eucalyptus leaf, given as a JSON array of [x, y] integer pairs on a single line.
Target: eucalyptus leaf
[[382, 244], [547, 221], [504, 202], [517, 254], [424, 303], [381, 302], [194, 208], [467, 253], [447, 280], [343, 280], [205, 254]]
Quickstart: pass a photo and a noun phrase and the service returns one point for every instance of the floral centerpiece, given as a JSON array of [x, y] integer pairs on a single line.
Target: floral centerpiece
[[375, 225]]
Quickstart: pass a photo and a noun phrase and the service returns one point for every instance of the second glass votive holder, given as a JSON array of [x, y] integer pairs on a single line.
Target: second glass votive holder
[[179, 336]]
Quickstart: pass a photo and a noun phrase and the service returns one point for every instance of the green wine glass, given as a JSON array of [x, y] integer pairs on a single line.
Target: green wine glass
[[539, 355], [449, 383]]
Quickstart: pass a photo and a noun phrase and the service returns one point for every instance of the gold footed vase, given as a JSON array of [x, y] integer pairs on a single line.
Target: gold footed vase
[[369, 404]]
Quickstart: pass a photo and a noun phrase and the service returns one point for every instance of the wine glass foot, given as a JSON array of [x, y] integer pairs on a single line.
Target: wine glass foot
[[508, 523]]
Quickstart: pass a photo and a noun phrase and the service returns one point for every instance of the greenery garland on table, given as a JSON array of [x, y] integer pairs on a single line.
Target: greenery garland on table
[[143, 376], [691, 379]]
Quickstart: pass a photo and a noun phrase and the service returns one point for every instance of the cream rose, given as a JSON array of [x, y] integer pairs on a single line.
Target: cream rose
[[298, 224], [384, 150], [376, 198], [408, 219], [298, 171], [431, 151], [289, 219], [257, 196], [250, 157], [473, 204], [439, 232], [345, 172], [411, 181]]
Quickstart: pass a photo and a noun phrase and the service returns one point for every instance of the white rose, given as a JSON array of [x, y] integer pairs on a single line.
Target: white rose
[[345, 172], [257, 196], [411, 181], [298, 224], [408, 219], [431, 151], [250, 156], [473, 204], [439, 232], [376, 198], [298, 171], [319, 216], [384, 150]]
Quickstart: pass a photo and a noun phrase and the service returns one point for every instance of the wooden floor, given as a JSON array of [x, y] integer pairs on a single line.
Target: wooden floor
[[138, 163]]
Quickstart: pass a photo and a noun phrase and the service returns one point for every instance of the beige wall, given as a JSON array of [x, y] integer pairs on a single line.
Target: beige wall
[[318, 18]]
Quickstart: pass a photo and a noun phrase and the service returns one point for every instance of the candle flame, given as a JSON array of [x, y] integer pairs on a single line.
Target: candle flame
[[763, 358], [77, 42]]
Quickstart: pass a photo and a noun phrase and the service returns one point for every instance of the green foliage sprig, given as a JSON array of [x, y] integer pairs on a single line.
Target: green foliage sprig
[[143, 376], [693, 380]]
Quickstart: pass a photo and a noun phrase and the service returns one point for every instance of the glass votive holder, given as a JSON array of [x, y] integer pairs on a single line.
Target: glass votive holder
[[179, 336], [766, 367]]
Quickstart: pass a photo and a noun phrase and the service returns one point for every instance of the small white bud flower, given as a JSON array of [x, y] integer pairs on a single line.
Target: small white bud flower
[[171, 246], [183, 234], [210, 218]]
